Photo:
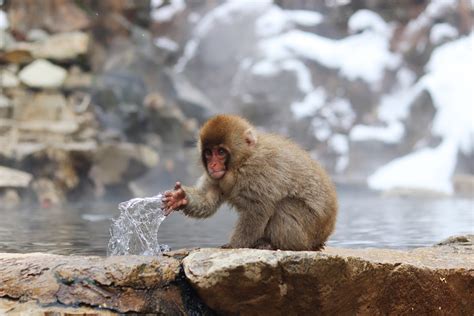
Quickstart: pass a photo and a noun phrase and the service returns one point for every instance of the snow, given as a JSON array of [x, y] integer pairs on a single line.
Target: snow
[[265, 68], [364, 56], [426, 169], [433, 11], [336, 3], [442, 31], [304, 17], [271, 23], [156, 3], [449, 81], [339, 113], [363, 20], [339, 144], [390, 134], [322, 130], [450, 87], [312, 102], [3, 20], [302, 72], [166, 43], [167, 12], [223, 13], [275, 21]]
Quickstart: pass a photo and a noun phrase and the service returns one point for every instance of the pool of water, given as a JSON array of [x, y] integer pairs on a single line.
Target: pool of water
[[366, 219]]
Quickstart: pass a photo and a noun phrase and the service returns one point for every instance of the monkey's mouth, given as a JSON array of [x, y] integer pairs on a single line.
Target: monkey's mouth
[[217, 174]]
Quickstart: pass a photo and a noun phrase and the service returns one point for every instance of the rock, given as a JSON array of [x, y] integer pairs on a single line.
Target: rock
[[15, 308], [21, 54], [167, 120], [8, 79], [192, 102], [6, 40], [464, 185], [5, 106], [51, 15], [48, 194], [9, 199], [37, 35], [42, 74], [43, 106], [11, 178], [76, 79], [63, 46], [115, 164], [120, 284], [335, 282]]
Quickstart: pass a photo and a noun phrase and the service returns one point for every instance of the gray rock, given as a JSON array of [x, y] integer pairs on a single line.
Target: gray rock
[[43, 74], [120, 163], [191, 100]]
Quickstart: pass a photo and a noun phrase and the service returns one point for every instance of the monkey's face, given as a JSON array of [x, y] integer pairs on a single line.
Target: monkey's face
[[216, 160]]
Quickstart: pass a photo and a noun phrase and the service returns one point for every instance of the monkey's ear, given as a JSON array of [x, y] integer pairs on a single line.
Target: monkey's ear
[[250, 137]]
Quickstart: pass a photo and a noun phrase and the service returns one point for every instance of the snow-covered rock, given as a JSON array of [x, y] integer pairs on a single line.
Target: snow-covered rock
[[432, 168]]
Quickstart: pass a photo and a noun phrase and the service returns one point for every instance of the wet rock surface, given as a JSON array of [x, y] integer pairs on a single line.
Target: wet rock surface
[[433, 280], [437, 280]]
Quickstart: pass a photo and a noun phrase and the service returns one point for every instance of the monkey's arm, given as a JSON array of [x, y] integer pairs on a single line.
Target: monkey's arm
[[250, 227], [203, 199]]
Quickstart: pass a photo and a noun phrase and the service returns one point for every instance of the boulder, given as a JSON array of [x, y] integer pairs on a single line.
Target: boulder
[[8, 79], [51, 15], [5, 106], [42, 106], [42, 74], [425, 281], [63, 46], [11, 178], [116, 164], [191, 100], [120, 284]]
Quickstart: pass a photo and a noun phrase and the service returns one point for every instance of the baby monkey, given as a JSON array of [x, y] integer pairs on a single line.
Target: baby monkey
[[284, 198]]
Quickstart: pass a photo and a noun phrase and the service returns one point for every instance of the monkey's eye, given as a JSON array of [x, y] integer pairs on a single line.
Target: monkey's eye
[[207, 152], [222, 152]]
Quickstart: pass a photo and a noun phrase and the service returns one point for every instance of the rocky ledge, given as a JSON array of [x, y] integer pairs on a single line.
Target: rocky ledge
[[434, 280]]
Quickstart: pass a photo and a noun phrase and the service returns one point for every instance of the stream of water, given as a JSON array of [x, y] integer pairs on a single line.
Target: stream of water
[[366, 219]]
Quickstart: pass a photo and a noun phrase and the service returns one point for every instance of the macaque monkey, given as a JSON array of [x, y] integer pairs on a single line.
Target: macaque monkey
[[284, 198]]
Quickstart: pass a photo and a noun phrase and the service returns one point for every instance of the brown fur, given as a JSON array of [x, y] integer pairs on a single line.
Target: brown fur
[[284, 198]]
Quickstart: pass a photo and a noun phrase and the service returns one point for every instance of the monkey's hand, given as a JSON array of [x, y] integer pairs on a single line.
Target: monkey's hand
[[175, 199], [226, 246]]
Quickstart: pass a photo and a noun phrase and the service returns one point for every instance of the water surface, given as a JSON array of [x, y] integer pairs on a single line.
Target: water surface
[[365, 219]]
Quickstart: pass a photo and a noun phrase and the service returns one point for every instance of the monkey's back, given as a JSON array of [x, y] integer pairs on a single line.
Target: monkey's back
[[284, 171]]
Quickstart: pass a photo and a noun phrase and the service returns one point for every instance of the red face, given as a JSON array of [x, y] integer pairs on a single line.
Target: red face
[[216, 161]]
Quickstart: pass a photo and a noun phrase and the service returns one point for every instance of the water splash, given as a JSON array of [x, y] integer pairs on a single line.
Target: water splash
[[135, 231]]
